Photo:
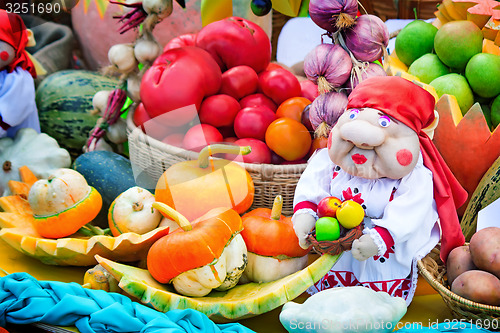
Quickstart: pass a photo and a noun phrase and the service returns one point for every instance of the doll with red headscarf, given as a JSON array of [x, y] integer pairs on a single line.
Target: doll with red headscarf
[[17, 71], [379, 156]]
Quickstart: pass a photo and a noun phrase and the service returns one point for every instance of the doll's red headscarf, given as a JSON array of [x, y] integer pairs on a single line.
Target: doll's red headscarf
[[414, 107], [13, 31]]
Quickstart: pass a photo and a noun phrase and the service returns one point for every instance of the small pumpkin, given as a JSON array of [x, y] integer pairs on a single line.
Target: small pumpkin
[[63, 203], [210, 183], [132, 211], [207, 254], [273, 248], [100, 279]]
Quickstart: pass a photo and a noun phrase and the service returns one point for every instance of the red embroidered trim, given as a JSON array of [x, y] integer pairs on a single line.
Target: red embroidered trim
[[305, 204], [386, 236]]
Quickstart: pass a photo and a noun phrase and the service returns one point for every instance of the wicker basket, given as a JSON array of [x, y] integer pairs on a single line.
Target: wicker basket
[[338, 246], [154, 157], [434, 271]]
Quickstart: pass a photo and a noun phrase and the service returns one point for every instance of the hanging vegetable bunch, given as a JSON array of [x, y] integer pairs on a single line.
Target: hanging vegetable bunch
[[129, 61], [337, 67]]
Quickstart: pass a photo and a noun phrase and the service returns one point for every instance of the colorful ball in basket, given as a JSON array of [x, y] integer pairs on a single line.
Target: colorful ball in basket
[[193, 188], [350, 214]]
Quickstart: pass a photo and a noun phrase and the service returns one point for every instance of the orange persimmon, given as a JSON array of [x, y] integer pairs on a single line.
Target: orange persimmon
[[288, 138]]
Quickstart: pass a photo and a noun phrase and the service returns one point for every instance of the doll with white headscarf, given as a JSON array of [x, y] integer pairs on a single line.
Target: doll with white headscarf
[[17, 71]]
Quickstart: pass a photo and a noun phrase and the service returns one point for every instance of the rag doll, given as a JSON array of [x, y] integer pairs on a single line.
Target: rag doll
[[379, 156], [17, 71]]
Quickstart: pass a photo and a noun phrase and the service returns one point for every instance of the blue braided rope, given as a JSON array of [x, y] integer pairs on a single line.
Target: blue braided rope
[[25, 300]]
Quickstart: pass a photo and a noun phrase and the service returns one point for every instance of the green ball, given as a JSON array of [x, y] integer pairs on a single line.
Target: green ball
[[415, 40], [483, 73], [327, 229], [428, 67]]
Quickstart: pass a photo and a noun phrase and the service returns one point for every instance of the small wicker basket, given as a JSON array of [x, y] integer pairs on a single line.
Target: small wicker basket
[[338, 246], [434, 272], [154, 157]]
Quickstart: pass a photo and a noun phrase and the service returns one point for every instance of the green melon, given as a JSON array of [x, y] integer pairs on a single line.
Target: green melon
[[483, 74], [243, 301], [64, 102], [415, 40]]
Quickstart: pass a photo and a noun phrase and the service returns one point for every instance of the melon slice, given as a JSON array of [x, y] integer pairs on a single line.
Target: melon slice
[[16, 223], [490, 47], [477, 11], [466, 144], [242, 301]]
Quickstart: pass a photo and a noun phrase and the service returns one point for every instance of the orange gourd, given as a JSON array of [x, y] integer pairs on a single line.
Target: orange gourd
[[269, 233], [192, 245], [210, 183], [63, 203]]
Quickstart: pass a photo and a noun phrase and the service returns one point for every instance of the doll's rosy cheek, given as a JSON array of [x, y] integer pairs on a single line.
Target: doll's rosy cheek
[[329, 142], [404, 157], [4, 55]]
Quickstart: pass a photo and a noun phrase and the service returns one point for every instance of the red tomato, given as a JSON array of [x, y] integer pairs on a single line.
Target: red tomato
[[258, 99], [317, 143], [230, 139], [288, 138], [179, 78], [174, 139], [279, 85], [252, 122], [180, 41], [151, 127], [260, 152], [309, 89], [239, 81], [236, 41], [219, 110], [199, 136]]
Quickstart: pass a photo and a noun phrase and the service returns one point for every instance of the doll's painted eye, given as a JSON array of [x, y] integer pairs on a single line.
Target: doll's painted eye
[[353, 114], [384, 121]]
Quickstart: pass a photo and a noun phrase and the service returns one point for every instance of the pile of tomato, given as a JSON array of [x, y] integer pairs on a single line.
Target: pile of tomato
[[219, 85]]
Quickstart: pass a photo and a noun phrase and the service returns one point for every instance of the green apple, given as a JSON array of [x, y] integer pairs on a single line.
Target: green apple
[[428, 67], [327, 229]]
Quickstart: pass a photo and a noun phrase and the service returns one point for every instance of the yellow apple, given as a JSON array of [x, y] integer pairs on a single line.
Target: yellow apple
[[350, 214]]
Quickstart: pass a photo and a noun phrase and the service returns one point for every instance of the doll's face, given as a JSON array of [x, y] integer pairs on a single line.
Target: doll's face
[[368, 143], [7, 54]]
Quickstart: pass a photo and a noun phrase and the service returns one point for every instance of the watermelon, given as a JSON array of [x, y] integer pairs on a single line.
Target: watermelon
[[64, 101]]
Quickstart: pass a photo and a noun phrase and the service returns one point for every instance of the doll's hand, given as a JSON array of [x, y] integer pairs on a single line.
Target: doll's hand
[[364, 248], [302, 225]]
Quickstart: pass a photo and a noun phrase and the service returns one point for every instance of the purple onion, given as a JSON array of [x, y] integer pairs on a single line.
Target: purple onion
[[361, 73], [328, 66], [368, 38], [333, 15], [325, 110]]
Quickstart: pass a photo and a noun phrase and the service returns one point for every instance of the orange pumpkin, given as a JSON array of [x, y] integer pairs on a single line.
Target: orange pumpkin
[[210, 183], [63, 203], [269, 233], [192, 245]]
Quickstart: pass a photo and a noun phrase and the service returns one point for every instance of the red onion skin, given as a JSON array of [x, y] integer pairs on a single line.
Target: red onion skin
[[328, 61], [368, 38], [325, 13], [373, 69], [326, 110]]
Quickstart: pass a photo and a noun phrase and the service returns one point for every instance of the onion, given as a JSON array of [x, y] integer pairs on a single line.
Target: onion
[[146, 50], [122, 56], [325, 110], [333, 15], [327, 65], [368, 38], [361, 73], [162, 8]]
